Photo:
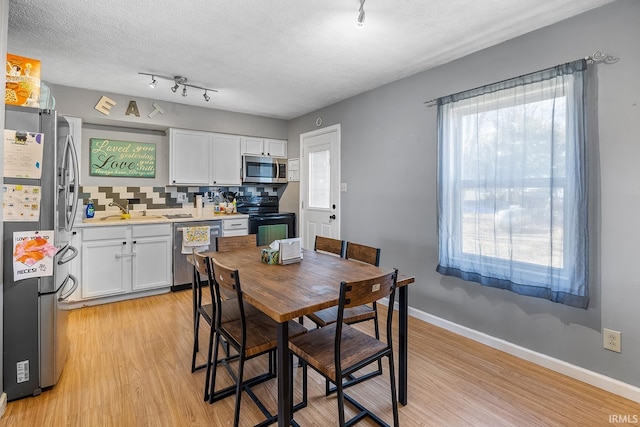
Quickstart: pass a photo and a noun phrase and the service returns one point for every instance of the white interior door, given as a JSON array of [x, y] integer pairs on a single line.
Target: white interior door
[[320, 185]]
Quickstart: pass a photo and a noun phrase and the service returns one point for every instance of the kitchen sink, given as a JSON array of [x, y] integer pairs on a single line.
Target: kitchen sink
[[133, 218]]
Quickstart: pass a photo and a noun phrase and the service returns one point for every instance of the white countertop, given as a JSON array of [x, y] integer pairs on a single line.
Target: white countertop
[[155, 216]]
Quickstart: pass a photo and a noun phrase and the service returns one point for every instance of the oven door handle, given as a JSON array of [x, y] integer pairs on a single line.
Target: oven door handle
[[272, 218]]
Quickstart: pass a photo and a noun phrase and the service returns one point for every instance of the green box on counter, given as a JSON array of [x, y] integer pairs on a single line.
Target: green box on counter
[[271, 256]]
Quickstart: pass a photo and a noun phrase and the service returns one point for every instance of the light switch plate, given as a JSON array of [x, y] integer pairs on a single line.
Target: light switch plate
[[343, 187]]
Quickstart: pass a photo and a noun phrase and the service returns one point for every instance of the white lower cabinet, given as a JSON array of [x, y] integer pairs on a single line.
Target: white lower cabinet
[[235, 227], [124, 260]]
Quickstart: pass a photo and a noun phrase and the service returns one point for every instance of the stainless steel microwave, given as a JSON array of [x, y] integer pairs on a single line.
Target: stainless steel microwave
[[263, 170]]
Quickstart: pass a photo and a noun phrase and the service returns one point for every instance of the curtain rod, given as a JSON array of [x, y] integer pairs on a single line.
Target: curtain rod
[[595, 58]]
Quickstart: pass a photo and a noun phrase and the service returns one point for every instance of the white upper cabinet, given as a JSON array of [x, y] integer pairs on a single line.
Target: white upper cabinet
[[189, 157], [252, 146], [227, 161]]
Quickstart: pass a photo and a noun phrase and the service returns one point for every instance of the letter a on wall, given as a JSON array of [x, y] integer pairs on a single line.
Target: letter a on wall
[[132, 109]]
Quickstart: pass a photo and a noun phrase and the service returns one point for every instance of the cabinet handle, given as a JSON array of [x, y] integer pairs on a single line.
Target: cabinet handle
[[125, 255], [135, 241]]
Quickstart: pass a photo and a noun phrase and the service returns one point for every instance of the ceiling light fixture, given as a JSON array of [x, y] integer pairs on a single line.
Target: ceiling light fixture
[[361, 14], [178, 81]]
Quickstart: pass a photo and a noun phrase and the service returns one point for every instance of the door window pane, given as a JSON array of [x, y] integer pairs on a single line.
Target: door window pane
[[319, 179]]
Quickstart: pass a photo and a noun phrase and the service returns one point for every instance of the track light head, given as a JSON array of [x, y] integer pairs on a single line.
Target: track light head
[[361, 14], [177, 82]]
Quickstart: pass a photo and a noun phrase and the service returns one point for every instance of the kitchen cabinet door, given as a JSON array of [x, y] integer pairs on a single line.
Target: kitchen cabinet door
[[235, 227], [252, 146], [106, 266], [189, 157], [227, 161], [151, 262], [276, 148]]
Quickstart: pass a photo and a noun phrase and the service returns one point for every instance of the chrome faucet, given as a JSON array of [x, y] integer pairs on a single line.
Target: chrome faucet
[[123, 210]]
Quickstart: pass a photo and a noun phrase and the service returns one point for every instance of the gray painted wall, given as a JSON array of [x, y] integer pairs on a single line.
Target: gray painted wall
[[117, 125], [389, 159]]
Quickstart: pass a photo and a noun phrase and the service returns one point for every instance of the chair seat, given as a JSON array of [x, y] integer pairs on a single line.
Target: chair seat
[[329, 315], [317, 348], [262, 333]]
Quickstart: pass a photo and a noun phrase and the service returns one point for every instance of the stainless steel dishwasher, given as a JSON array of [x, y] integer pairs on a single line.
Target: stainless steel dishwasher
[[183, 269]]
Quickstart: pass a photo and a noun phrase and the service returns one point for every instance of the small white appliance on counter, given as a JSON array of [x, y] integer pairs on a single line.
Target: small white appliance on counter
[[35, 326]]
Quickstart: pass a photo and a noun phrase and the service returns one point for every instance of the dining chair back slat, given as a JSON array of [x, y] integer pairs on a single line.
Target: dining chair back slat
[[329, 245], [230, 243]]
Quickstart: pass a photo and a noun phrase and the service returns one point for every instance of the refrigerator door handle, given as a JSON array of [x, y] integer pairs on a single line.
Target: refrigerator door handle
[[70, 153], [64, 258], [66, 295]]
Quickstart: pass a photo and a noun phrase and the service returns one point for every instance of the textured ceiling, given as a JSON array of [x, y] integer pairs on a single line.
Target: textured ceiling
[[275, 58]]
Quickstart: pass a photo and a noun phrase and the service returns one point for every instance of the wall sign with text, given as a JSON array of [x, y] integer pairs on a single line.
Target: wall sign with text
[[110, 157]]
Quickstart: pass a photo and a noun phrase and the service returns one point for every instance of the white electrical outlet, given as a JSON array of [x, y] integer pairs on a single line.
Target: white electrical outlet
[[182, 198], [612, 340]]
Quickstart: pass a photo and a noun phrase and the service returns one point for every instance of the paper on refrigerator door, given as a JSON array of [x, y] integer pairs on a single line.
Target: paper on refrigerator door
[[23, 154], [33, 253], [21, 202]]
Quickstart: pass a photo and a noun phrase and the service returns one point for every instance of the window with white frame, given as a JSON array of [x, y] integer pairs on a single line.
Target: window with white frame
[[512, 188]]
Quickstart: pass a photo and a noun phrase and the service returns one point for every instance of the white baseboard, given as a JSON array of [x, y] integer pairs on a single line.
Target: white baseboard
[[581, 374], [3, 404]]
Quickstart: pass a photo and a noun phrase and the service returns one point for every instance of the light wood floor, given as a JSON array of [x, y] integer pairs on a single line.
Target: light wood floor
[[129, 365]]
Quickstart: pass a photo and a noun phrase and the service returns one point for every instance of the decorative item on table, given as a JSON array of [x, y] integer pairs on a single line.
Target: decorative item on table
[[270, 256], [283, 251]]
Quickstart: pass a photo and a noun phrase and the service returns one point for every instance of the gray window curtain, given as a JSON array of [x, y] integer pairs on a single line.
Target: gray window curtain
[[512, 185]]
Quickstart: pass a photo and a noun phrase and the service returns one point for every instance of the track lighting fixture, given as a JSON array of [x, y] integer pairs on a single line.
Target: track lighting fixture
[[179, 81], [361, 14]]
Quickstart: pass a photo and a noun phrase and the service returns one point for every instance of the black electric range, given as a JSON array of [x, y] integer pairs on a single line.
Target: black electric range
[[265, 218]]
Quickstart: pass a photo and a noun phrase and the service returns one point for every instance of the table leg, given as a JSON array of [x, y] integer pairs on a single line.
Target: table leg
[[284, 376], [403, 335]]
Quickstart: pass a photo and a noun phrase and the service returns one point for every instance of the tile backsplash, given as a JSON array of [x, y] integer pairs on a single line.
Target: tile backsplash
[[162, 197]]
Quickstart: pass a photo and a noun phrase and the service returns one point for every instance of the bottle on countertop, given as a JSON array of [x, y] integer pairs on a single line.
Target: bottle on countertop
[[90, 210]]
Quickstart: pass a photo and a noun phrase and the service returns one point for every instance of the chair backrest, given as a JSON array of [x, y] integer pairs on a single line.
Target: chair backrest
[[362, 292], [229, 243], [201, 267], [327, 244], [363, 253], [227, 282], [366, 291]]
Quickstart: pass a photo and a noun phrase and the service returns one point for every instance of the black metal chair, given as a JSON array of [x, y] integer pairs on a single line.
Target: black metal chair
[[352, 315], [250, 336], [204, 311], [338, 350]]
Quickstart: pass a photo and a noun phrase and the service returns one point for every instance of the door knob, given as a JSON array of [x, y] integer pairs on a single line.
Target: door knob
[[332, 216]]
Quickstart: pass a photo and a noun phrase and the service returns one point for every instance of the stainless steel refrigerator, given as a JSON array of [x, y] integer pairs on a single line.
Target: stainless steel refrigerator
[[35, 326]]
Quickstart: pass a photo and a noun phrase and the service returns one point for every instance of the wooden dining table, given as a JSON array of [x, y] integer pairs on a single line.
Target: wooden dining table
[[286, 292]]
